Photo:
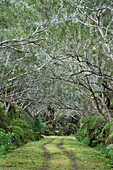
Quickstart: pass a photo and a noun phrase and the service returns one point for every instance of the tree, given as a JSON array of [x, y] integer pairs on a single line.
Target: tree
[[61, 56]]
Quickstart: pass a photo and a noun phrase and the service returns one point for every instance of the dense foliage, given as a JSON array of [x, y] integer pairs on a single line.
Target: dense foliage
[[17, 129], [56, 57]]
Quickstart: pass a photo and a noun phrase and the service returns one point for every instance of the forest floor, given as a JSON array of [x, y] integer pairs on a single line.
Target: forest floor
[[55, 153]]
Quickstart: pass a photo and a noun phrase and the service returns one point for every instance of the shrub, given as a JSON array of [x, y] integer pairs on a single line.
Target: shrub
[[2, 150], [81, 133], [70, 129], [21, 123], [6, 139], [109, 139], [37, 135], [18, 132], [86, 140], [37, 124], [110, 151], [48, 129], [91, 127], [2, 130], [110, 154], [28, 134], [3, 118], [102, 147], [24, 115], [16, 129]]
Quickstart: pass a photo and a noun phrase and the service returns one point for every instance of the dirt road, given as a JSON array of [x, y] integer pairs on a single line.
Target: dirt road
[[55, 153]]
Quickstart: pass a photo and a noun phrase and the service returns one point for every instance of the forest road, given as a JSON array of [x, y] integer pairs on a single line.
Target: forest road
[[55, 153], [68, 154], [49, 156]]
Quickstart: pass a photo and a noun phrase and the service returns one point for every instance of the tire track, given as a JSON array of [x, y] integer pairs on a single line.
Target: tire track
[[68, 154], [47, 155]]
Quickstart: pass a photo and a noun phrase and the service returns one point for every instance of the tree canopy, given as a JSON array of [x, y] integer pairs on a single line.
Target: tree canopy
[[57, 53]]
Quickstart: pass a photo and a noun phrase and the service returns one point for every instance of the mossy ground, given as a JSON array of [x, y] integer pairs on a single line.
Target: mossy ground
[[86, 157], [31, 156]]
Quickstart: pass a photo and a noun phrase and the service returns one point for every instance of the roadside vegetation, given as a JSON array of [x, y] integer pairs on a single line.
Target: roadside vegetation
[[17, 127]]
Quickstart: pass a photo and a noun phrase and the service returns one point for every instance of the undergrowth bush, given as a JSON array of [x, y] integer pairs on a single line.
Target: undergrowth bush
[[3, 118], [37, 136], [17, 128], [94, 131], [86, 140], [109, 139], [7, 140], [2, 150], [101, 147], [21, 123], [19, 132], [28, 134], [110, 151]]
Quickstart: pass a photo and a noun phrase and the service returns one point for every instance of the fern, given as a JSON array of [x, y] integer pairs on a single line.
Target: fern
[[107, 127], [110, 150], [110, 154], [93, 125], [86, 140], [2, 130], [109, 147], [22, 123], [109, 139], [105, 131], [16, 129], [24, 115], [29, 134], [93, 122]]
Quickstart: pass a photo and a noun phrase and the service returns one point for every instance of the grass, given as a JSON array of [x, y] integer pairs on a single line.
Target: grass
[[60, 162], [30, 156], [58, 159], [87, 157]]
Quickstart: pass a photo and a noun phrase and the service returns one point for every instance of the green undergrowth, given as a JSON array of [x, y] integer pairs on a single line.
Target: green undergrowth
[[96, 132], [17, 128]]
